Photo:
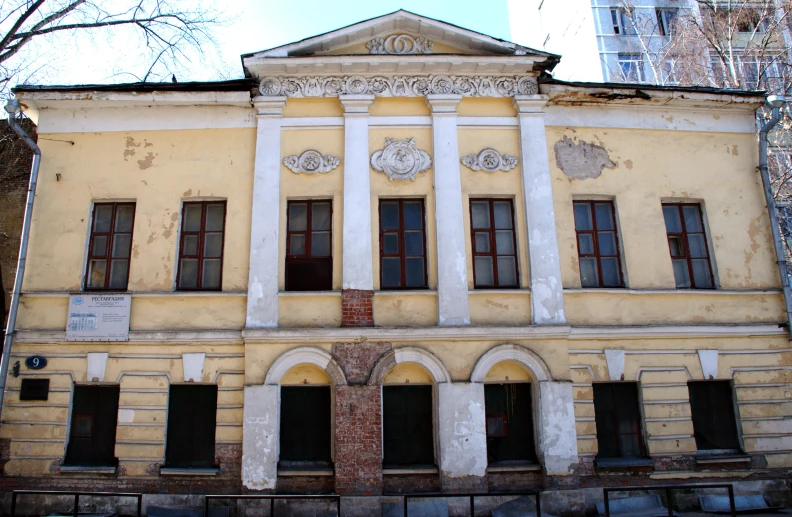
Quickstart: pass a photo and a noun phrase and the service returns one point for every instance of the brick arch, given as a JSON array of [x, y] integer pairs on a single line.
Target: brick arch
[[305, 355], [510, 352], [409, 354]]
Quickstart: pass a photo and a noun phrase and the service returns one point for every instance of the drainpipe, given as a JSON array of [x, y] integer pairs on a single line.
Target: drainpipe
[[775, 102], [13, 108]]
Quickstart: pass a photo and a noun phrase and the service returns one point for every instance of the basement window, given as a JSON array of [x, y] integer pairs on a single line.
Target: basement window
[[305, 427], [407, 426], [192, 419], [93, 427], [109, 246], [201, 246], [309, 246], [618, 420], [510, 432], [714, 422]]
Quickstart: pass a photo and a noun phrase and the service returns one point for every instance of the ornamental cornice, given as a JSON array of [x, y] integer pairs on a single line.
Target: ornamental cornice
[[398, 85]]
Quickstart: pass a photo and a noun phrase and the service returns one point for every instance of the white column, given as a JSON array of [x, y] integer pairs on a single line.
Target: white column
[[547, 296], [462, 429], [357, 252], [452, 281], [262, 299], [260, 437], [558, 435]]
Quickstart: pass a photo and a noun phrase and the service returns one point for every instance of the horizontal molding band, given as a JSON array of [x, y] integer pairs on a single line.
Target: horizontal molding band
[[671, 437]]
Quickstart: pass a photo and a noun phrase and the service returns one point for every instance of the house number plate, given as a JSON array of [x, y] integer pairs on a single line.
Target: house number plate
[[35, 362]]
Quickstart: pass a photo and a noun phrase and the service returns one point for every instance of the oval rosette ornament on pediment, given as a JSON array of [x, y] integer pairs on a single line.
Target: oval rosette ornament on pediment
[[489, 160], [400, 159], [311, 162]]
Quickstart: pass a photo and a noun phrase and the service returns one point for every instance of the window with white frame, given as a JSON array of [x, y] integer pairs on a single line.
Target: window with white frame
[[631, 67], [755, 71], [622, 22], [666, 21], [671, 70]]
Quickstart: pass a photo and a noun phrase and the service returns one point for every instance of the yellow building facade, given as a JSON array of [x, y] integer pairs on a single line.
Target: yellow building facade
[[396, 259]]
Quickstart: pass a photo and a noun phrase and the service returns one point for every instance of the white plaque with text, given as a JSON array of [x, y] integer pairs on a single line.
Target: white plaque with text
[[98, 317]]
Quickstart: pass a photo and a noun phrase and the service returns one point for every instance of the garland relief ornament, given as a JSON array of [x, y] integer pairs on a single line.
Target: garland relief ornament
[[489, 160], [399, 86], [400, 159], [400, 45], [311, 162]]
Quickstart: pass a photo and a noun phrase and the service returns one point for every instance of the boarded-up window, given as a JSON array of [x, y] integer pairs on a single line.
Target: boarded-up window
[[192, 417], [93, 426], [309, 246], [510, 433], [407, 426], [714, 424], [618, 420], [305, 424]]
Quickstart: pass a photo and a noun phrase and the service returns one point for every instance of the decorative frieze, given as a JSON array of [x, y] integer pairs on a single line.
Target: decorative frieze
[[489, 160], [400, 159], [311, 162], [400, 45], [399, 86]]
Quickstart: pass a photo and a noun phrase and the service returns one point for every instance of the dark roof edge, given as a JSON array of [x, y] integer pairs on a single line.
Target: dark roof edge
[[547, 79], [235, 85]]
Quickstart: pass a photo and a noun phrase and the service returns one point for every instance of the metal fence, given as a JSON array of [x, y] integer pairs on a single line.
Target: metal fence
[[669, 494], [272, 498], [472, 496], [16, 493]]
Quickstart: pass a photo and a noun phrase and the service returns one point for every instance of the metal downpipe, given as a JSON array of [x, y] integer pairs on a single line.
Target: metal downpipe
[[13, 108], [775, 102]]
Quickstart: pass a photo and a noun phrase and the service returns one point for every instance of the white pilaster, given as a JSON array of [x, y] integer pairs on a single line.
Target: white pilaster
[[260, 438], [547, 298], [452, 278], [463, 429], [558, 437], [262, 300], [357, 250]]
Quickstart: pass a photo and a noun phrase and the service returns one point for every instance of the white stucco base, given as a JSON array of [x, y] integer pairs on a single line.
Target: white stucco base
[[260, 437], [463, 429], [558, 443], [97, 364], [193, 367]]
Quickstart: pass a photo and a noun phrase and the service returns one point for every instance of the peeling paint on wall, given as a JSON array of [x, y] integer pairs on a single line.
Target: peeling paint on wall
[[581, 160]]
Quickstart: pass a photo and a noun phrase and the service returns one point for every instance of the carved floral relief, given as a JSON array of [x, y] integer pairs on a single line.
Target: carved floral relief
[[400, 44], [311, 162], [400, 159], [489, 160]]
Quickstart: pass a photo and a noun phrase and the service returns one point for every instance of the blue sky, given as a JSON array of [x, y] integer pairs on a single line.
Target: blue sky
[[261, 24]]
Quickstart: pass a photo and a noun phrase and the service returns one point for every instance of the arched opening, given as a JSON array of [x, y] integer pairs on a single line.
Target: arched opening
[[408, 395], [509, 401], [306, 397]]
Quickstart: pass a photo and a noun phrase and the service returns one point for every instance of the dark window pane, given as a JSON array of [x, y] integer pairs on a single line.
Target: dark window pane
[[675, 246], [681, 273], [503, 214], [671, 216], [510, 431], [96, 273], [121, 245], [413, 243], [215, 215], [391, 272], [93, 427], [714, 422], [607, 243], [124, 218], [610, 272], [320, 244], [103, 217], [414, 272], [389, 215], [618, 420], [190, 245], [297, 244], [99, 246], [480, 214], [211, 273], [188, 276], [692, 218], [213, 245], [320, 216], [305, 424], [298, 217], [192, 424], [696, 245], [390, 243], [118, 274], [701, 274], [482, 242], [583, 217], [484, 274], [586, 244], [192, 218], [588, 272], [504, 242], [407, 428], [82, 426], [413, 215], [604, 216], [507, 271]]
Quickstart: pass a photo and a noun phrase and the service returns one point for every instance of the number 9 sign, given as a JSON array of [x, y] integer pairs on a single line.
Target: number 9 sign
[[35, 362]]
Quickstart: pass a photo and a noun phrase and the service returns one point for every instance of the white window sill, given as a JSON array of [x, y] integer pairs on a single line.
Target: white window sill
[[309, 293], [498, 291], [625, 290], [408, 470], [529, 467], [297, 473], [405, 292], [77, 469], [170, 471]]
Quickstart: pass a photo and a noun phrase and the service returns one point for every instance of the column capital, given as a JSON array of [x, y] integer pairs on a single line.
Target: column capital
[[355, 104], [443, 103], [530, 104], [269, 105]]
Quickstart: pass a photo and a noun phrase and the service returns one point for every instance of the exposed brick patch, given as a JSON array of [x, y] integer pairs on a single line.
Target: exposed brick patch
[[5, 453], [358, 359], [408, 483], [514, 481], [306, 485], [358, 440], [357, 308], [463, 484], [664, 463]]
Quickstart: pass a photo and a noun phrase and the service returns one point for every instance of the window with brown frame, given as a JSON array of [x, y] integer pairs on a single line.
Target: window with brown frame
[[110, 246], [687, 242], [201, 248], [598, 244], [309, 245], [402, 244], [494, 243]]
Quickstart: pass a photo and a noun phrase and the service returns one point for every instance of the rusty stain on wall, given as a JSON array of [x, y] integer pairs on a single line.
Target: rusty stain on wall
[[581, 160]]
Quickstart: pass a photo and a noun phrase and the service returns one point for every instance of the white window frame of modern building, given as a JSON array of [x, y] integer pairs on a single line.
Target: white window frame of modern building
[[623, 58], [621, 22], [663, 24]]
